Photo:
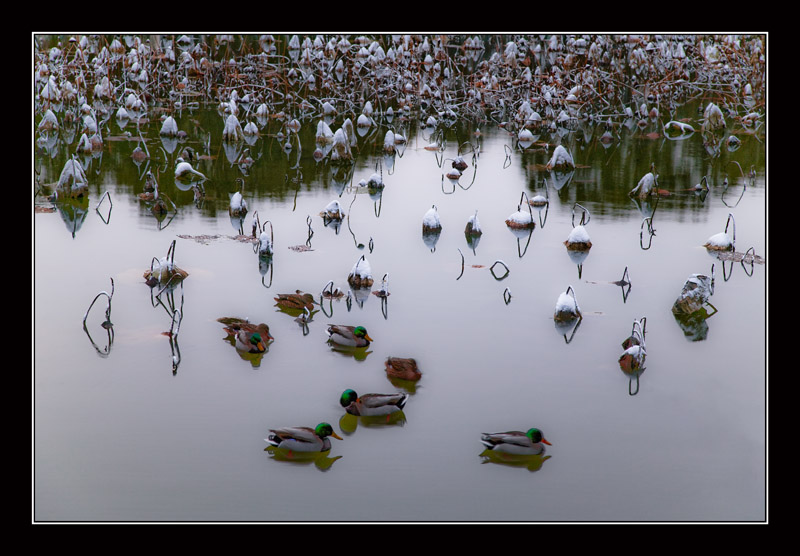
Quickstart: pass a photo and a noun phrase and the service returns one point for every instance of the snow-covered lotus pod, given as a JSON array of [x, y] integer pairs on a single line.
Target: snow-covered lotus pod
[[49, 122], [103, 89], [72, 181], [695, 293], [84, 144], [164, 270], [185, 172], [682, 128], [122, 116], [647, 185], [348, 128], [578, 239], [264, 246], [169, 128], [328, 110], [723, 241], [361, 274], [522, 219], [262, 111], [333, 211], [431, 222], [233, 129], [324, 134], [473, 227], [363, 121], [388, 142], [50, 91], [375, 181], [713, 118], [567, 308], [250, 129], [561, 159], [430, 122], [341, 147], [525, 138]]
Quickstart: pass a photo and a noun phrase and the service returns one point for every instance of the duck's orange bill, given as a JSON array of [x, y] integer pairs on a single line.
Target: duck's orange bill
[[368, 338], [544, 441], [333, 434]]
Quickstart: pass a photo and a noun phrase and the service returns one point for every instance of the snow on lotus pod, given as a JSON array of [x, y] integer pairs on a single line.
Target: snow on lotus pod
[[567, 308], [389, 142], [185, 172], [431, 222], [164, 270], [250, 129], [49, 121], [682, 128], [233, 129], [578, 239], [324, 133], [333, 211], [363, 121], [72, 182], [648, 185], [375, 181], [713, 118], [361, 275], [473, 227], [348, 128], [561, 159], [264, 246], [522, 219], [525, 138], [169, 128], [723, 241], [695, 293], [341, 147]]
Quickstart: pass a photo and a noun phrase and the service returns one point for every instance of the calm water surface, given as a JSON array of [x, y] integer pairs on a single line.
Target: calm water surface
[[118, 436]]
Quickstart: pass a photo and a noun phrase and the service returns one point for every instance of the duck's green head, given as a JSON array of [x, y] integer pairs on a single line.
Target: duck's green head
[[324, 429], [537, 436], [361, 332], [348, 397]]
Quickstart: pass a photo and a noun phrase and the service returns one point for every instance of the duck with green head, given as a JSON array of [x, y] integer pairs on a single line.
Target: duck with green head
[[516, 442], [372, 404], [303, 439], [355, 336], [248, 337]]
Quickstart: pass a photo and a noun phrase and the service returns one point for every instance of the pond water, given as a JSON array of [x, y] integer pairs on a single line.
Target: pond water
[[148, 427]]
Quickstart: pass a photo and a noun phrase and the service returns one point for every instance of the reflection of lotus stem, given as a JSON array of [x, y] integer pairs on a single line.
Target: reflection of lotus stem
[[752, 260], [100, 202], [462, 265], [507, 296], [173, 329], [491, 269]]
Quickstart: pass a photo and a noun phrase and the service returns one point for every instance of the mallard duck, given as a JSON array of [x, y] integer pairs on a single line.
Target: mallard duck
[[249, 337], [372, 404], [297, 300], [303, 439], [516, 442], [402, 368], [348, 335]]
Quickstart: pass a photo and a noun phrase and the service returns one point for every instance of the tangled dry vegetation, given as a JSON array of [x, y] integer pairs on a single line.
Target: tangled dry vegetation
[[517, 81]]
